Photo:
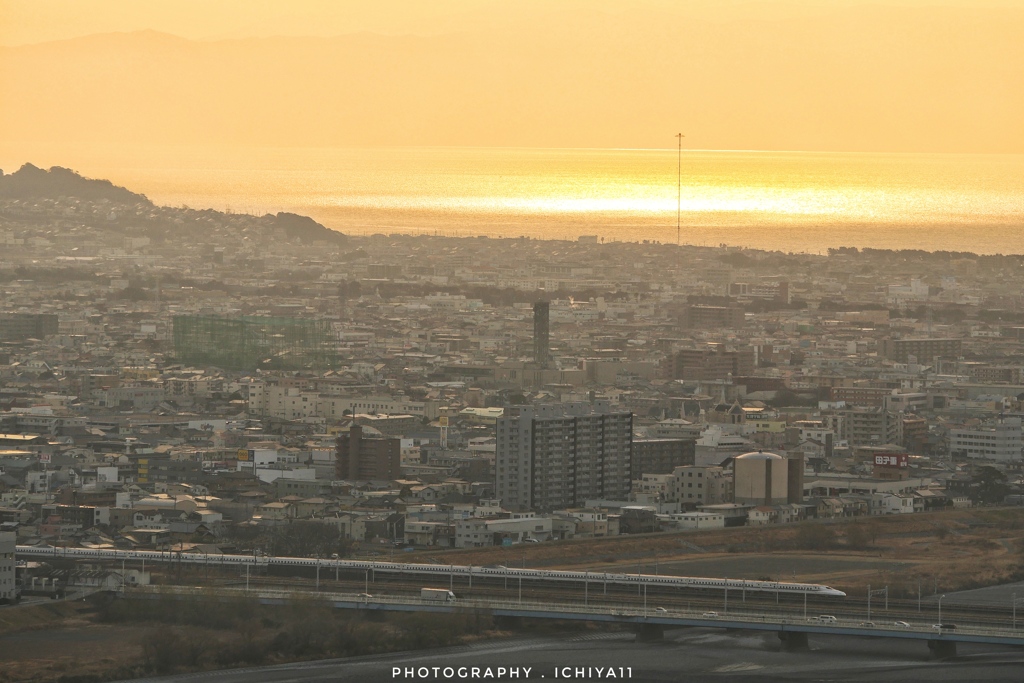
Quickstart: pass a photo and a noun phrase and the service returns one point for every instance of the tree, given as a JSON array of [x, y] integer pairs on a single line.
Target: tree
[[787, 397], [989, 485], [308, 539]]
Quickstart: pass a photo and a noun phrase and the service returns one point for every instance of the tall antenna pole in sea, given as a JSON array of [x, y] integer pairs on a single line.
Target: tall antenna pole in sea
[[679, 188]]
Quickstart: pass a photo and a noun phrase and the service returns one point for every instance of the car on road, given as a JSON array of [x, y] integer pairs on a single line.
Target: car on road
[[867, 624], [827, 619], [661, 610], [364, 596], [901, 624], [944, 627], [710, 615]]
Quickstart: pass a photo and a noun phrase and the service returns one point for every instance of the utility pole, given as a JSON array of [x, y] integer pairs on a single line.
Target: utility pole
[[880, 591], [521, 580], [1015, 601], [679, 189]]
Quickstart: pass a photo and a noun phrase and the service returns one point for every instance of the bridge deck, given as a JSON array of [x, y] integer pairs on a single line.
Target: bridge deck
[[636, 615]]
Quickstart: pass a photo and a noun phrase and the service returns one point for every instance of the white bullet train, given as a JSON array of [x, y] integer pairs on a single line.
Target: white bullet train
[[443, 570]]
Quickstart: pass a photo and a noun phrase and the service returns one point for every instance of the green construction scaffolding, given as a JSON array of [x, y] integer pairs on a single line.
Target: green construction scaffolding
[[251, 342]]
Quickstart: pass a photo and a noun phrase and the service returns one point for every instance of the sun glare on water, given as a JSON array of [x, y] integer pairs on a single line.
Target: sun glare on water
[[773, 200], [707, 200]]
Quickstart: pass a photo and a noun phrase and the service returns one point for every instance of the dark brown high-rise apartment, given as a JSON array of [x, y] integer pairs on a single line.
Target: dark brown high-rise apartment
[[659, 456], [362, 459], [711, 361], [21, 326], [924, 350]]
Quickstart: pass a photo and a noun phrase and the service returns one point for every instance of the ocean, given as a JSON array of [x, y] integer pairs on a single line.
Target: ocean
[[787, 201]]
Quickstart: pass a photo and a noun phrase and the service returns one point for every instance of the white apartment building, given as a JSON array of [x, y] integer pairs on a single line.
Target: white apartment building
[[687, 485], [999, 441], [697, 520], [893, 504], [696, 485], [550, 457], [475, 532], [812, 430], [269, 399]]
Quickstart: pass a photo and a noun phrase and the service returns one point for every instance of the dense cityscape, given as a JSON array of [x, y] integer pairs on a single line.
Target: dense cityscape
[[222, 387], [472, 339], [267, 388]]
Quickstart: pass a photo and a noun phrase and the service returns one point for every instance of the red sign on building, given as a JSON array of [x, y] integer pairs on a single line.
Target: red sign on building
[[891, 460]]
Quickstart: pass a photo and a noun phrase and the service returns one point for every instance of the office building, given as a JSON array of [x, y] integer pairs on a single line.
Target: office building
[[542, 333], [701, 317], [7, 542]]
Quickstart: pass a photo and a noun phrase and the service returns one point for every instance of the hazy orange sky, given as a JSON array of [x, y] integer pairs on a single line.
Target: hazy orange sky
[[805, 75]]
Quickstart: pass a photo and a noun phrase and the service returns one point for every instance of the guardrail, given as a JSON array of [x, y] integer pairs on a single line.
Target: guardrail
[[735, 619]]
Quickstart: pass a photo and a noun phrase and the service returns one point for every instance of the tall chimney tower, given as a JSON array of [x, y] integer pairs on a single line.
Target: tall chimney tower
[[541, 333]]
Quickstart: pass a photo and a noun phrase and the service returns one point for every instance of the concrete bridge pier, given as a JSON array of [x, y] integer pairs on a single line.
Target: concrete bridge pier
[[792, 640], [649, 633], [942, 649]]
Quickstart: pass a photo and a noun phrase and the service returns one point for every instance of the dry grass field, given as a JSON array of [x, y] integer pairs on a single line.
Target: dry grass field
[[947, 551], [87, 642]]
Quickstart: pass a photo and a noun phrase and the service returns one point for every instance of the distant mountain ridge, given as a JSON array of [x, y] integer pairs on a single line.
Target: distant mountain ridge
[[771, 75], [33, 183]]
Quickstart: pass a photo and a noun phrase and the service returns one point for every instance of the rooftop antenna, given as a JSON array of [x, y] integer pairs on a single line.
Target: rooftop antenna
[[679, 188]]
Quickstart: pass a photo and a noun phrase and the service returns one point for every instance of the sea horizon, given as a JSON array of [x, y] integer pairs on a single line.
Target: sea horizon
[[779, 201]]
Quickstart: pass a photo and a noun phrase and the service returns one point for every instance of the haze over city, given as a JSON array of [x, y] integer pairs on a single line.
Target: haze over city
[[474, 339]]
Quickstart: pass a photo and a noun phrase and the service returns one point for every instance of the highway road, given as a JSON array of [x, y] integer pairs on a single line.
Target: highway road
[[995, 614], [694, 654], [995, 610]]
